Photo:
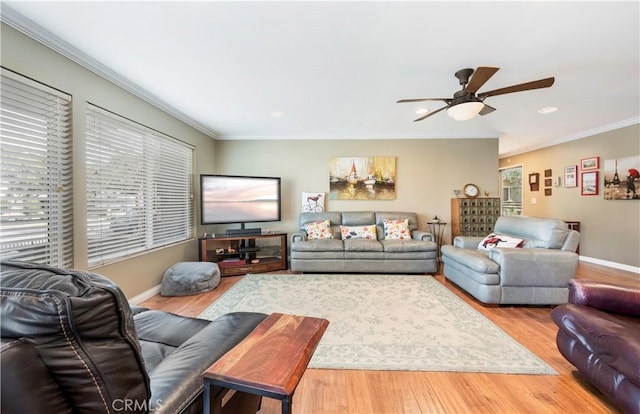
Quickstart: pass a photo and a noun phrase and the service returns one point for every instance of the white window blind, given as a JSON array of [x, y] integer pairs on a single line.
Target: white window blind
[[36, 210], [139, 188]]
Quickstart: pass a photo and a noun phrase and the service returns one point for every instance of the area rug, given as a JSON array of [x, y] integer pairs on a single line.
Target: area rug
[[385, 322]]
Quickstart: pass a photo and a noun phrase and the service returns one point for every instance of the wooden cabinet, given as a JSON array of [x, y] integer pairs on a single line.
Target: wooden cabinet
[[473, 216], [239, 255]]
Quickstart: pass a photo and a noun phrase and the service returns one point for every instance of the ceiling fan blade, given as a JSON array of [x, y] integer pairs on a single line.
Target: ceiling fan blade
[[430, 113], [423, 99], [487, 110], [480, 77], [542, 83]]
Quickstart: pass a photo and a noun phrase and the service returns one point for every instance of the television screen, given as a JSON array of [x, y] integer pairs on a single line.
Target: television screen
[[239, 199]]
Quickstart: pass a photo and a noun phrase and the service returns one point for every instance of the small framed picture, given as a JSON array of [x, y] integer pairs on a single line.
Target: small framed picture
[[590, 183], [571, 176], [592, 163]]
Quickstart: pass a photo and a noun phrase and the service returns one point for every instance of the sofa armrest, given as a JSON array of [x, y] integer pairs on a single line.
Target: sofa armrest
[[608, 297], [298, 236], [547, 267], [422, 235], [467, 242], [176, 382]]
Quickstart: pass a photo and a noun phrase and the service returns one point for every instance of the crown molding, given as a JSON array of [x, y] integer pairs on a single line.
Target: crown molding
[[48, 39], [573, 137]]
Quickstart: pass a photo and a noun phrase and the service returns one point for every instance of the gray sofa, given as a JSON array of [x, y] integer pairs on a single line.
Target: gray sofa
[[382, 255], [535, 274]]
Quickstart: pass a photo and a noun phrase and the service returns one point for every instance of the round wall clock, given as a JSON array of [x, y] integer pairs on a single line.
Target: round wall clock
[[471, 190]]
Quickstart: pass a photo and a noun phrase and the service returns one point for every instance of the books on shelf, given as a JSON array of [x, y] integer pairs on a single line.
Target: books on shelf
[[235, 261]]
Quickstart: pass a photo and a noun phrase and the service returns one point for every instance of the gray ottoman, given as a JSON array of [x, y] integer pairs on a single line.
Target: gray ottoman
[[189, 278]]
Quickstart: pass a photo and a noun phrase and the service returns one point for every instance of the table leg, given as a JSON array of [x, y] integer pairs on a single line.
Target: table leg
[[206, 399], [286, 404]]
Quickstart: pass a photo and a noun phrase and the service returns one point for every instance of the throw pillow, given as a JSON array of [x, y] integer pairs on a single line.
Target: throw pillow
[[358, 232], [396, 229], [318, 230], [499, 240]]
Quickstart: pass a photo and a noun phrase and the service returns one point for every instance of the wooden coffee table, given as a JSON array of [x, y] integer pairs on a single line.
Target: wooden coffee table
[[267, 363]]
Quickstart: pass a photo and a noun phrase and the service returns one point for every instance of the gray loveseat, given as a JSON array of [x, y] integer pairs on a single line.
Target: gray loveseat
[[535, 274], [356, 255]]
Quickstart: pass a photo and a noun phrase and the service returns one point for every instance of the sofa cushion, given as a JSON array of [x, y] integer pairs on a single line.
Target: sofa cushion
[[358, 232], [396, 229], [610, 337], [358, 218], [499, 240], [473, 259], [318, 230], [318, 245], [538, 232], [71, 317], [404, 246], [362, 245]]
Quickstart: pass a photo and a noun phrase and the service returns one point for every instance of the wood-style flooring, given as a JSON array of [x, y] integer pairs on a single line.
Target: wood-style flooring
[[385, 392]]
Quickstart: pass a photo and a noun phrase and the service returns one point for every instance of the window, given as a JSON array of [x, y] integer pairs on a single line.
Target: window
[[139, 188], [511, 190], [36, 211]]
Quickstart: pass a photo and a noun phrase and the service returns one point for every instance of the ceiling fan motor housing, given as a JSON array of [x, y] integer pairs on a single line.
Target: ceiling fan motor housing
[[463, 75]]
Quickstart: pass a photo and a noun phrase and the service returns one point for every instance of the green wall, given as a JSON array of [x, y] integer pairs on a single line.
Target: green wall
[[24, 55], [610, 230]]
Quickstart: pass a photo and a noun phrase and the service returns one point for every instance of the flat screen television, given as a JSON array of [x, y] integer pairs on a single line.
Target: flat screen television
[[239, 199]]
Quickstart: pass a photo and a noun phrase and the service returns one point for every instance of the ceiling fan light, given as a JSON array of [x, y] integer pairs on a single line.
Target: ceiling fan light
[[465, 111]]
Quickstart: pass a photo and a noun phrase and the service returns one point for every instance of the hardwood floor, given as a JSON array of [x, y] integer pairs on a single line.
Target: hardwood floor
[[385, 392]]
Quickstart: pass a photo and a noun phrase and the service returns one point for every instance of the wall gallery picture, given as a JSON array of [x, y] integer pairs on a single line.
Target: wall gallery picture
[[571, 176], [590, 183], [622, 178], [592, 163], [362, 178]]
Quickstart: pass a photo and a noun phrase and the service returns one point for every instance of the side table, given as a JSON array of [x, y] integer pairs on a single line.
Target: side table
[[437, 229], [267, 363]]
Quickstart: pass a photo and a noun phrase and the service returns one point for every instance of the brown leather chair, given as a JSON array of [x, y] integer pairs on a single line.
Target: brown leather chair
[[72, 344], [600, 335]]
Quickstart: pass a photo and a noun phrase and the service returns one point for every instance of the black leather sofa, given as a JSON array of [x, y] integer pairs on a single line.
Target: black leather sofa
[[599, 333], [72, 344]]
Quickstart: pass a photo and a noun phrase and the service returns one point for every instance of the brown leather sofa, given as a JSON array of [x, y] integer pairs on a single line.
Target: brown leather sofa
[[600, 335], [72, 344]]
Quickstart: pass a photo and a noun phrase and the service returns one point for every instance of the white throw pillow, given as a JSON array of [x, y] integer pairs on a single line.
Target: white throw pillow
[[499, 240], [318, 230], [358, 232]]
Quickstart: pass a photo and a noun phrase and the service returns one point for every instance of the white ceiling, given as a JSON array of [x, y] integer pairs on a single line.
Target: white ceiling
[[334, 70]]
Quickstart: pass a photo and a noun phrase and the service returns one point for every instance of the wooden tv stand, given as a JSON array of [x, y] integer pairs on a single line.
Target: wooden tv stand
[[242, 254]]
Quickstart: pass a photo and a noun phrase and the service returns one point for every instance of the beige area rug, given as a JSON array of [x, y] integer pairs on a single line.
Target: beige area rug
[[385, 322]]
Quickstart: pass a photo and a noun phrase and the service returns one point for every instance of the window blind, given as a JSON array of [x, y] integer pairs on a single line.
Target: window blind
[[139, 188], [36, 210]]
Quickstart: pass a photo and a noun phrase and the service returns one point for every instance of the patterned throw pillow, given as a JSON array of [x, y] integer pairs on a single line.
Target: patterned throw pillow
[[318, 230], [499, 240], [358, 232], [396, 229]]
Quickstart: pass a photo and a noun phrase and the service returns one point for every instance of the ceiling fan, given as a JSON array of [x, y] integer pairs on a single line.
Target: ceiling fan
[[466, 104]]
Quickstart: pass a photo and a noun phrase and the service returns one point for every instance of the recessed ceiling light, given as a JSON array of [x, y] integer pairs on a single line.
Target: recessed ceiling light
[[422, 111], [276, 114], [547, 110]]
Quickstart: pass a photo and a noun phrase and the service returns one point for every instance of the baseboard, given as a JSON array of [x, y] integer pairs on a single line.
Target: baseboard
[[632, 269], [147, 294]]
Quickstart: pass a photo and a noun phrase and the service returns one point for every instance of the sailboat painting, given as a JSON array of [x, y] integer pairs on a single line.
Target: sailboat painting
[[622, 178], [362, 178]]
